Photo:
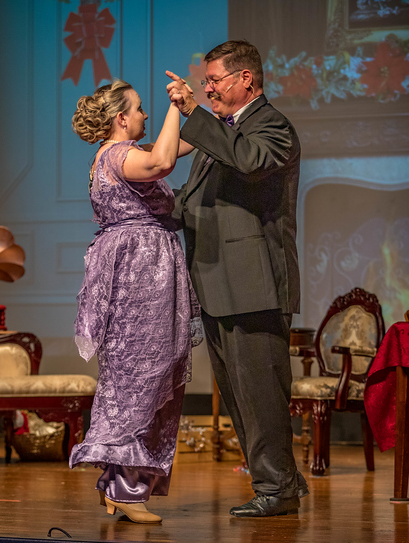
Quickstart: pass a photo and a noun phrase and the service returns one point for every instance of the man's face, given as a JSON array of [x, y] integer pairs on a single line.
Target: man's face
[[225, 90]]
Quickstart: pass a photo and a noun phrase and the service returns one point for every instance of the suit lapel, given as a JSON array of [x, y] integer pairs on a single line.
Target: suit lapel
[[201, 163], [257, 104]]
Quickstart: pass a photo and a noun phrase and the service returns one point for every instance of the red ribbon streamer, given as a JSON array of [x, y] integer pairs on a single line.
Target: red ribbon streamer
[[90, 31]]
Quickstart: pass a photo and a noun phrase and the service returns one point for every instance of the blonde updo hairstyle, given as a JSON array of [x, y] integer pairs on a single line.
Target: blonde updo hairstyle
[[92, 121]]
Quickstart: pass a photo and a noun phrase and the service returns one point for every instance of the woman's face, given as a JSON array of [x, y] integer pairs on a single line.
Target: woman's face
[[135, 117]]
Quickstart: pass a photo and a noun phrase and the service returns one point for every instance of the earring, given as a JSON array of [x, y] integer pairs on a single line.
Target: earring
[[124, 126]]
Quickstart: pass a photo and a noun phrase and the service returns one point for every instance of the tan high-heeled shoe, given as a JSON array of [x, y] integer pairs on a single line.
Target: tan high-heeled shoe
[[136, 512]]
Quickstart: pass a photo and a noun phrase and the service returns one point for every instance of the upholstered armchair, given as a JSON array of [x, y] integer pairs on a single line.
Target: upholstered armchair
[[58, 398], [345, 345]]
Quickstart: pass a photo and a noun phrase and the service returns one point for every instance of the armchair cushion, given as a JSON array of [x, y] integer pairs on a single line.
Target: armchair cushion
[[47, 385], [324, 388], [15, 361]]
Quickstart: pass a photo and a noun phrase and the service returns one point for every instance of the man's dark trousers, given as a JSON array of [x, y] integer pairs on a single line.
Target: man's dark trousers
[[251, 362]]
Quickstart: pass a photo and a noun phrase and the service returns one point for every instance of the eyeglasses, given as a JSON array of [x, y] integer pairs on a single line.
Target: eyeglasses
[[213, 83]]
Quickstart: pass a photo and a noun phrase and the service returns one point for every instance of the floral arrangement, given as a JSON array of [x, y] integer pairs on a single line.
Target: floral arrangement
[[385, 76]]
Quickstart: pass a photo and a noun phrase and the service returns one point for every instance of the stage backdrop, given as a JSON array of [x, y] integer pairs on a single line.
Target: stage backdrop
[[337, 68]]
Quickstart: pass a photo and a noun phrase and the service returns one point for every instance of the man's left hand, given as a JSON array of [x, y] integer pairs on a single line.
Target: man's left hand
[[181, 94]]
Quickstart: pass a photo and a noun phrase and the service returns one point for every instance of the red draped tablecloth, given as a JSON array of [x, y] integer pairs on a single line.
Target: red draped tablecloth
[[380, 390]]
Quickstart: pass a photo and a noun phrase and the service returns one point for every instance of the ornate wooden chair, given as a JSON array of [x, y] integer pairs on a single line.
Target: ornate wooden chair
[[302, 345], [59, 398], [345, 345]]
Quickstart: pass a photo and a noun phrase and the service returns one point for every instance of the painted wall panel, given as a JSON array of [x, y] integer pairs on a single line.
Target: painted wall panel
[[16, 105]]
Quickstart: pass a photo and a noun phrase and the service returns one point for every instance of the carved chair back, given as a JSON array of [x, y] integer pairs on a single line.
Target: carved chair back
[[353, 320], [20, 354]]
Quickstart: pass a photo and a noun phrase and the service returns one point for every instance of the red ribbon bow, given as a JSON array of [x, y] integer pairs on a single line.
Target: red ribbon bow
[[90, 32]]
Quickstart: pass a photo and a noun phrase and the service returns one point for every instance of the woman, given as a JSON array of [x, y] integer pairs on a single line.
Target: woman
[[136, 309]]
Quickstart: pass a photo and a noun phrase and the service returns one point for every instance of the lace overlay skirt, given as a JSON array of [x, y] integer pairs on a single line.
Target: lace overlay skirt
[[136, 309]]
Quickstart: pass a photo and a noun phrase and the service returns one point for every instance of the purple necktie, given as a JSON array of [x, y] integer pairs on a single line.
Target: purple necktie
[[229, 120]]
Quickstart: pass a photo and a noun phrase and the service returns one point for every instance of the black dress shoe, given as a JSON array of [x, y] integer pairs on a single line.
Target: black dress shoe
[[303, 491], [267, 506], [302, 486]]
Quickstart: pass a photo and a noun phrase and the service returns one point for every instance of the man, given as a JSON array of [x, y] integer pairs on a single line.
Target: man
[[238, 211]]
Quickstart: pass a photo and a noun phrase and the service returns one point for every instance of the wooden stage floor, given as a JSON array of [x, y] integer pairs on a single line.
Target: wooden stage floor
[[348, 505]]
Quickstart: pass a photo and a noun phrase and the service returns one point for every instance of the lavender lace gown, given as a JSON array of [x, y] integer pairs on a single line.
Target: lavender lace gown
[[138, 312]]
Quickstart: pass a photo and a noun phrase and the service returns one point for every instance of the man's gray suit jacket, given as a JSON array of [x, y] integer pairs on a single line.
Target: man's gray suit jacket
[[238, 211]]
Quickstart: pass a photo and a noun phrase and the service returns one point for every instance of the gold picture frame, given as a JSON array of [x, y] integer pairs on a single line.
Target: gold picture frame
[[353, 23]]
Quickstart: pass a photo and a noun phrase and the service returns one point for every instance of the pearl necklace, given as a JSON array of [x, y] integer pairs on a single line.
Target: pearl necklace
[[109, 141]]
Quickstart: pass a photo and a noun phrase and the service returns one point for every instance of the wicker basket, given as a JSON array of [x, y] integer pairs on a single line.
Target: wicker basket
[[48, 448]]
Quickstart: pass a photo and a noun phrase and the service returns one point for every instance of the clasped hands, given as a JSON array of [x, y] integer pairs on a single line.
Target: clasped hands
[[181, 94]]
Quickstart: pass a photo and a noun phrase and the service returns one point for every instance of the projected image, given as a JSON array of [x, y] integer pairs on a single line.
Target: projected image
[[377, 13], [320, 79], [371, 250], [320, 54]]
